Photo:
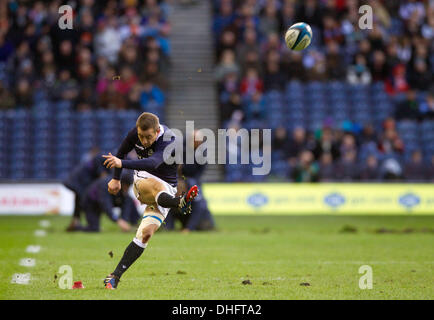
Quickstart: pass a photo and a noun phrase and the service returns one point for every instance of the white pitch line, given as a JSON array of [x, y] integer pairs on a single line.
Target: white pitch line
[[45, 223], [40, 233], [28, 262], [24, 278], [21, 278], [33, 249]]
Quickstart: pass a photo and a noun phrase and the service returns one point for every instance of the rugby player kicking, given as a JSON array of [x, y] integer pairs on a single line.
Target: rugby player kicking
[[155, 185]]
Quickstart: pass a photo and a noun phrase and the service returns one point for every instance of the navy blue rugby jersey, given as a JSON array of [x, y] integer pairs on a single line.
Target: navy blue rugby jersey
[[150, 159]]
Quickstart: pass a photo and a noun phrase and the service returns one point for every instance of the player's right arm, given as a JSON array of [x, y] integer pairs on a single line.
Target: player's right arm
[[114, 185]]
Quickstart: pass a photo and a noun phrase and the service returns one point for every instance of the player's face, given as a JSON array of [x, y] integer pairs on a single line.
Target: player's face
[[147, 137]]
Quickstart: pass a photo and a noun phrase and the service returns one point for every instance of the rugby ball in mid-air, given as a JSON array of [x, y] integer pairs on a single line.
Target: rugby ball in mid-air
[[298, 36]]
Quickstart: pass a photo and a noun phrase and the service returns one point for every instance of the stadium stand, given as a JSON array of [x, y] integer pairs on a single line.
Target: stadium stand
[[57, 92], [356, 105], [66, 92]]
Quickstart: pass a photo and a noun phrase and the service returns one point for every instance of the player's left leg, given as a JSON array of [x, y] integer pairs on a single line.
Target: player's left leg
[[151, 221]]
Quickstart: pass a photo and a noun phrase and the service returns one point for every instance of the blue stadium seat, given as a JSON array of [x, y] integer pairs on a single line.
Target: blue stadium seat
[[273, 95], [377, 86], [380, 96], [315, 97], [361, 107], [317, 114], [63, 105], [293, 96], [276, 122], [337, 95], [335, 86], [64, 135], [338, 106], [17, 174], [361, 118], [42, 105], [381, 114], [315, 87], [407, 125], [297, 123], [255, 124], [315, 125], [275, 105], [41, 174], [426, 136], [317, 105], [293, 106], [427, 126], [40, 95], [362, 104], [294, 85], [296, 115], [359, 97]]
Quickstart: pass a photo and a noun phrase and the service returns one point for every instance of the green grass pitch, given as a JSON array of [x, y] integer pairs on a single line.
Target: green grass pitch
[[275, 253]]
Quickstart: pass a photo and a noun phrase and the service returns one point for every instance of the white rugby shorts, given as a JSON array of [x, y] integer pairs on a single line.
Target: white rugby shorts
[[168, 188]]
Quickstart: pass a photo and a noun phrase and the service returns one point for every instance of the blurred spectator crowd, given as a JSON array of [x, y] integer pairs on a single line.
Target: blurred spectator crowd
[[115, 57], [355, 105], [61, 88]]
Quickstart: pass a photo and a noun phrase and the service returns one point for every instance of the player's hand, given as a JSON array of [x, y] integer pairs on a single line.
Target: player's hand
[[114, 186], [125, 226], [112, 161]]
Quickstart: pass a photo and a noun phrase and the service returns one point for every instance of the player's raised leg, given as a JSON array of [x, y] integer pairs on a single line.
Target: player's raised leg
[[151, 190]]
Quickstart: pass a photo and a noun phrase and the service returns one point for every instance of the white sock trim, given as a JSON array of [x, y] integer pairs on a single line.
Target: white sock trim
[[158, 194], [139, 243]]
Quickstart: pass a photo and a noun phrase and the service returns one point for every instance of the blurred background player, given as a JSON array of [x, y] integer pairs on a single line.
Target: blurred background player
[[86, 172], [97, 200], [188, 176]]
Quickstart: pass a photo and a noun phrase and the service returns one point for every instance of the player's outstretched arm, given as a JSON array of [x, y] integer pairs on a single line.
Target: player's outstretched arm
[[143, 164], [112, 161], [150, 163]]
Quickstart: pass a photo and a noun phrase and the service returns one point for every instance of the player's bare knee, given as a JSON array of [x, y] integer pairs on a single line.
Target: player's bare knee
[[150, 223], [147, 234], [144, 234]]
